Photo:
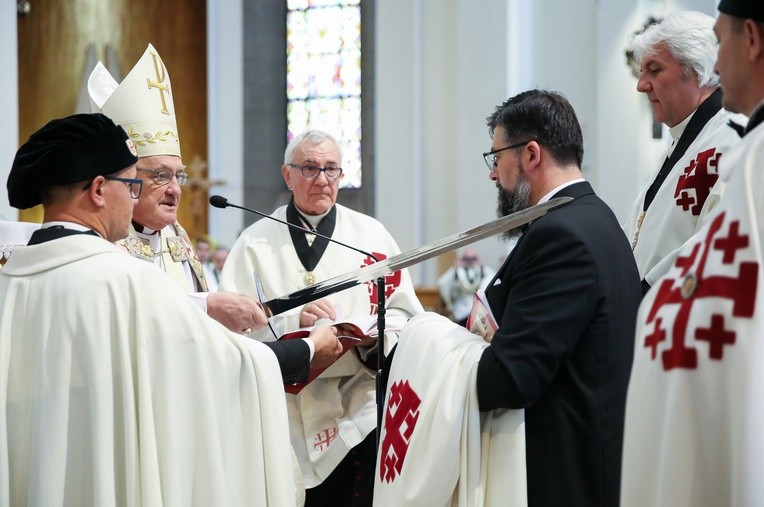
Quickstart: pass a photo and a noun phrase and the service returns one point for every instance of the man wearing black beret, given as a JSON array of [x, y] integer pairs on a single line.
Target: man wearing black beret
[[694, 433], [115, 388]]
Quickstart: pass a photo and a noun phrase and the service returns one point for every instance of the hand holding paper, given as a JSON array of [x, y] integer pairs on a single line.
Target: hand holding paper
[[359, 330]]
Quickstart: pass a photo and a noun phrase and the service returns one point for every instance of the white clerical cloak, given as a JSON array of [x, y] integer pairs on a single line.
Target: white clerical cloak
[[116, 390], [437, 448], [688, 194], [694, 433], [335, 412]]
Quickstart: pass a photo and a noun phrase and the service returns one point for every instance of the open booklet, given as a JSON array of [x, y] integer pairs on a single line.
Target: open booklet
[[481, 320], [351, 332]]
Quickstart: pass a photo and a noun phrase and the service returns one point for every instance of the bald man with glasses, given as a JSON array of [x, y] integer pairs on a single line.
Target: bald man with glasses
[[332, 420]]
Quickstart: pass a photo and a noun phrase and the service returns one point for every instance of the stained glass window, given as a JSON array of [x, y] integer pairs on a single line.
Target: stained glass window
[[324, 75]]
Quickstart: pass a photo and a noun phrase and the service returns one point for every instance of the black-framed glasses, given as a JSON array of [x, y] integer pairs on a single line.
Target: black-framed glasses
[[162, 177], [312, 171], [135, 186], [490, 156]]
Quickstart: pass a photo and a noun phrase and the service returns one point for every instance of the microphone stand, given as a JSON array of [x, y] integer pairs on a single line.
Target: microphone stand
[[380, 354]]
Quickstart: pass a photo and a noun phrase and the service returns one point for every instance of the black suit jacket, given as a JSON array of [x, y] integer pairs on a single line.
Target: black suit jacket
[[294, 359], [566, 302]]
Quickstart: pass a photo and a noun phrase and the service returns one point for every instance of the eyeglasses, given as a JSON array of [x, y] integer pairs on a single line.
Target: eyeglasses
[[490, 156], [311, 171], [162, 177], [135, 186]]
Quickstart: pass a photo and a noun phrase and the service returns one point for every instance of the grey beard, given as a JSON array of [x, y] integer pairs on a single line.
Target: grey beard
[[512, 202]]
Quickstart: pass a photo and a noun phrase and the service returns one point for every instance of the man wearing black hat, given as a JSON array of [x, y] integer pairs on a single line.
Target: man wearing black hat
[[695, 409], [115, 388], [78, 149]]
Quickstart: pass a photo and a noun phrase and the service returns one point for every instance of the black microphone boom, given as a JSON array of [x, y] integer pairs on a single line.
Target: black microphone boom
[[219, 201]]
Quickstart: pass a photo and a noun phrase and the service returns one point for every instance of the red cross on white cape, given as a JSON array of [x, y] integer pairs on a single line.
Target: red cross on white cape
[[694, 432]]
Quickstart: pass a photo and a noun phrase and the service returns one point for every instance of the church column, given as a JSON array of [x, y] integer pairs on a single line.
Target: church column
[[264, 104], [8, 101], [225, 81]]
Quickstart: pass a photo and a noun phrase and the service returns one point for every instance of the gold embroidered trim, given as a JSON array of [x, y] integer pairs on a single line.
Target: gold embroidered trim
[[148, 137]]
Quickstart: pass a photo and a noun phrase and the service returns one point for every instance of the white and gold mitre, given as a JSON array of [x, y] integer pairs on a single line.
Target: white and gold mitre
[[142, 104]]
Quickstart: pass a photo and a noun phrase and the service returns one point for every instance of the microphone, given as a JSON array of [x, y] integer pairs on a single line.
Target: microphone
[[221, 202]]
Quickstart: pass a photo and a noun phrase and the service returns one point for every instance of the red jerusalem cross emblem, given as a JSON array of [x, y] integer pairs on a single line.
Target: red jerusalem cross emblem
[[733, 280], [324, 438], [694, 186], [391, 282], [400, 420]]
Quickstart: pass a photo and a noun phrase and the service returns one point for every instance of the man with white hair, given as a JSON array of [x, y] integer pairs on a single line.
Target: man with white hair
[[332, 420], [695, 411], [677, 58]]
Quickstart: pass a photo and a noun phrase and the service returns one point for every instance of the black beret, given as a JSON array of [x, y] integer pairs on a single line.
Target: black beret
[[68, 150], [745, 9]]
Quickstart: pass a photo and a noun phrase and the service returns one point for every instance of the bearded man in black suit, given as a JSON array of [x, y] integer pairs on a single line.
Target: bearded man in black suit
[[566, 301]]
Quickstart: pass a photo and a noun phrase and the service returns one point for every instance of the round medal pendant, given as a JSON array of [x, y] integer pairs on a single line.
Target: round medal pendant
[[310, 278], [146, 249], [689, 284]]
